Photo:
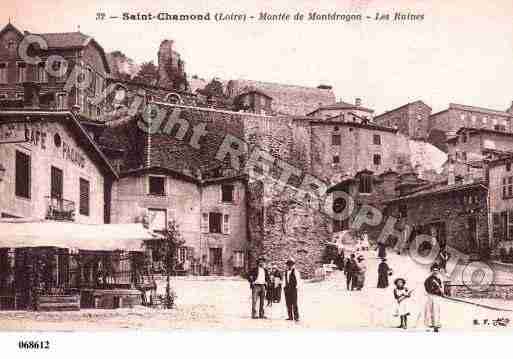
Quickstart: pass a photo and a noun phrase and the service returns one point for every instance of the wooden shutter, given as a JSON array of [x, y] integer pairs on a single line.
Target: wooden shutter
[[226, 223], [22, 186], [84, 197], [204, 222], [57, 185]]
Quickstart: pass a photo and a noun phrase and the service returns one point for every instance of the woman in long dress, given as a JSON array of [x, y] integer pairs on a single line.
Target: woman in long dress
[[401, 296], [383, 273], [434, 289]]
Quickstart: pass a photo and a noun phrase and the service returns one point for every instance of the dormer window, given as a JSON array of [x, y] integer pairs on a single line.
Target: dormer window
[[11, 45]]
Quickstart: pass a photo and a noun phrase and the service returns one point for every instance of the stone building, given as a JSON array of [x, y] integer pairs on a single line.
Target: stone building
[[289, 100], [471, 144], [411, 120], [445, 123], [343, 111], [52, 169], [455, 214], [83, 57], [342, 147], [254, 101], [500, 176]]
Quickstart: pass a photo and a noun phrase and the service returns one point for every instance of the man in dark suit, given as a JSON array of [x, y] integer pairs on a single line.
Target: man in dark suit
[[258, 279], [292, 281]]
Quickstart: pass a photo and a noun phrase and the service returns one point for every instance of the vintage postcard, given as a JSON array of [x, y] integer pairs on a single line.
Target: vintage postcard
[[334, 165]]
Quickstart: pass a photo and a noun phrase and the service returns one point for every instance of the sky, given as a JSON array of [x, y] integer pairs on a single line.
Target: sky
[[461, 52]]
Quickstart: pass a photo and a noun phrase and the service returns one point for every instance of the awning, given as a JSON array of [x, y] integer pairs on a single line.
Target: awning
[[102, 237]]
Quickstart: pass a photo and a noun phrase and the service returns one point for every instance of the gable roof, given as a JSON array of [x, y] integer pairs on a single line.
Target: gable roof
[[287, 99], [401, 107], [66, 118], [10, 27], [341, 105]]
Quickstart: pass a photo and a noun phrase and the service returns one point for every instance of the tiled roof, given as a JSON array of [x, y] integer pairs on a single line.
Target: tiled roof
[[439, 188], [66, 40], [478, 109], [341, 105], [287, 99]]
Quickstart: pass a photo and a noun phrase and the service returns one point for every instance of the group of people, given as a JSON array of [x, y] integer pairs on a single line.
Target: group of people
[[354, 270], [267, 284]]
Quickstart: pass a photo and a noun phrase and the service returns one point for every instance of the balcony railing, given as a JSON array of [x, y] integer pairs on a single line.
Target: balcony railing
[[59, 209]]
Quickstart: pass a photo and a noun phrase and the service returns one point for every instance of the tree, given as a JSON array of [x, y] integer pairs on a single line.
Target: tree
[[168, 246], [213, 89], [148, 74]]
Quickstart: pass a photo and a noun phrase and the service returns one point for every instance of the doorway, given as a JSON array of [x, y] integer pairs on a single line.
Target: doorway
[[216, 261]]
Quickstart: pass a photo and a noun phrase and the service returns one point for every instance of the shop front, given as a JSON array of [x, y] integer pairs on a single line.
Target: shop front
[[67, 266]]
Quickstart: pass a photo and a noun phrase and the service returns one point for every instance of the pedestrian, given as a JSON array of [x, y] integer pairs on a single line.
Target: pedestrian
[[434, 289], [365, 245], [444, 258], [258, 279], [382, 251], [384, 272], [402, 295], [269, 293], [277, 280], [349, 271], [361, 269], [292, 282]]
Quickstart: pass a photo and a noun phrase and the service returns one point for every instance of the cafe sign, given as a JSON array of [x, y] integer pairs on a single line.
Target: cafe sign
[[16, 132]]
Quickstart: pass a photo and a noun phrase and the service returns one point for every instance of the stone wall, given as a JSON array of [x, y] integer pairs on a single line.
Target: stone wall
[[411, 120]]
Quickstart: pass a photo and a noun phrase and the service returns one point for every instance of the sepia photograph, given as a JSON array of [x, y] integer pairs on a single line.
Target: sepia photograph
[[321, 166]]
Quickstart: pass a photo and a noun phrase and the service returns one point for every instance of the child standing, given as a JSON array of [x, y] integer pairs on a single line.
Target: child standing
[[401, 295]]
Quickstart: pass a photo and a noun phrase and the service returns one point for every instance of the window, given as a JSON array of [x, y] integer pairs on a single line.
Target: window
[[510, 225], [84, 197], [501, 128], [11, 45], [508, 167], [22, 186], [22, 72], [3, 73], [376, 139], [238, 259], [157, 219], [226, 224], [56, 183], [403, 211], [41, 73], [336, 159], [507, 187], [215, 222], [157, 186], [182, 254], [61, 101], [377, 159], [227, 191], [204, 223], [365, 185], [336, 140], [59, 70], [338, 225]]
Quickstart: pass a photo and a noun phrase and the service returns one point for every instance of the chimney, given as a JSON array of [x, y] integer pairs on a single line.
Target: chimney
[[451, 178], [31, 94], [358, 101]]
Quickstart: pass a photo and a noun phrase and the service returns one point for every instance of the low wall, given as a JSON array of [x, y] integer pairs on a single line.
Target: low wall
[[494, 291], [110, 299]]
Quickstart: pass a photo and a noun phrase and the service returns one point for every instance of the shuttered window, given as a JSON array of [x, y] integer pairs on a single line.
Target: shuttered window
[[226, 224], [84, 197], [22, 187], [204, 223], [215, 222], [56, 185]]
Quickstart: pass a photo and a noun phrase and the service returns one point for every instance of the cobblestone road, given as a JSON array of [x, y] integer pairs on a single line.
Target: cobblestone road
[[225, 304]]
